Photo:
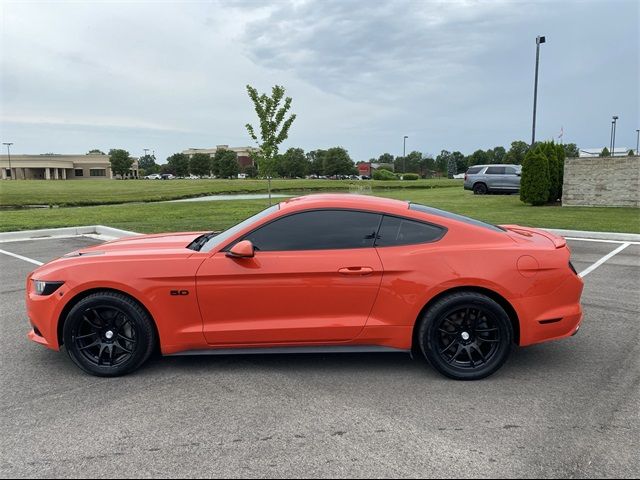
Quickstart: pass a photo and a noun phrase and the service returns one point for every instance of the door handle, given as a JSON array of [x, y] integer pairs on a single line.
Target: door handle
[[357, 271]]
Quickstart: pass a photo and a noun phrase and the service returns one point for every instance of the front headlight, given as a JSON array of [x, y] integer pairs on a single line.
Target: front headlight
[[43, 287]]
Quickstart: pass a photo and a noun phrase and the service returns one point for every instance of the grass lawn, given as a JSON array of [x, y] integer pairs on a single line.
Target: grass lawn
[[103, 192], [159, 217]]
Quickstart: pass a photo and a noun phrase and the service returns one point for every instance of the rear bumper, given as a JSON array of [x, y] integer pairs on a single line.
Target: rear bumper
[[551, 317]]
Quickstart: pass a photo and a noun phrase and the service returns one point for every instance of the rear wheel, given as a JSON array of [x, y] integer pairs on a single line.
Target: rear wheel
[[466, 336], [480, 189], [108, 334]]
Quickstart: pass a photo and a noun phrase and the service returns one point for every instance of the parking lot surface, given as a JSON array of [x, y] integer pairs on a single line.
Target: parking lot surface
[[562, 409]]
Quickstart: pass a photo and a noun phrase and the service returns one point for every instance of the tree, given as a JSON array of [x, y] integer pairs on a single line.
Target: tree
[[274, 127], [451, 167], [227, 164], [317, 160], [496, 155], [179, 164], [631, 153], [200, 164], [95, 151], [554, 182], [442, 161], [560, 153], [121, 161], [534, 184], [571, 150], [293, 163], [338, 162], [385, 158], [408, 164], [516, 153], [460, 161], [605, 152], [148, 164], [479, 157]]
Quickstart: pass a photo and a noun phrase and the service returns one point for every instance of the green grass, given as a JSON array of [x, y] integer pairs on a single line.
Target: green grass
[[159, 217], [104, 192]]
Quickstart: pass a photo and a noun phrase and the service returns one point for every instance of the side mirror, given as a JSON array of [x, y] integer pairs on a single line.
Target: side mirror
[[243, 249]]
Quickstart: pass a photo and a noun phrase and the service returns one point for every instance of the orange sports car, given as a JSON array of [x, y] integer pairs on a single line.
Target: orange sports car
[[320, 273]]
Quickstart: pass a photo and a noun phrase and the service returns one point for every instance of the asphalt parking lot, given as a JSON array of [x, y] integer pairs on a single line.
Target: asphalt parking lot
[[562, 409]]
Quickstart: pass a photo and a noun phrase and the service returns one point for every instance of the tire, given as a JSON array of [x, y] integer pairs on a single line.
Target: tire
[[466, 336], [108, 334], [480, 189]]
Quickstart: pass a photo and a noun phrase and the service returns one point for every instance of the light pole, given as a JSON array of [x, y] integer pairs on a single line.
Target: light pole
[[8, 144], [145, 151], [539, 40], [637, 141], [613, 142], [404, 154]]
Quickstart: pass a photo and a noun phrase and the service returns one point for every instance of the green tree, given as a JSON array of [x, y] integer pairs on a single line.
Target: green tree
[[274, 127], [534, 184], [338, 162], [496, 155], [605, 152], [385, 158], [410, 164], [516, 153], [148, 164], [451, 167], [121, 161], [550, 152], [227, 164], [95, 151], [293, 163], [561, 155], [460, 160], [631, 153], [200, 164], [179, 164], [571, 150], [250, 170], [442, 161], [317, 160]]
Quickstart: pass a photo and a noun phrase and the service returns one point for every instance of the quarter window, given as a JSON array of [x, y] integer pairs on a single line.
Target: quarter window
[[317, 230], [474, 170], [402, 231]]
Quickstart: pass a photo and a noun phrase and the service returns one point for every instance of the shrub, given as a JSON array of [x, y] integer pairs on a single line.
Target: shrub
[[534, 185], [410, 176], [560, 152], [382, 174], [552, 158]]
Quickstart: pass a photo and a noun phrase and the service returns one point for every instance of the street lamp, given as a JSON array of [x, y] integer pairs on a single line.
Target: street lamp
[[8, 144], [539, 40], [404, 154], [637, 141], [613, 141], [145, 151]]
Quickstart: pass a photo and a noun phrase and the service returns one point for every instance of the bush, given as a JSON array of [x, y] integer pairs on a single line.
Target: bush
[[410, 176], [561, 157], [552, 158], [382, 174], [534, 185]]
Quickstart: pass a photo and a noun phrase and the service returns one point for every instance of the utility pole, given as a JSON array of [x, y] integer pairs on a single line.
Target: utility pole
[[8, 144], [539, 40]]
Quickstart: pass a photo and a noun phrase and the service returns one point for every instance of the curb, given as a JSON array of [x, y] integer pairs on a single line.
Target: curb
[[611, 236], [98, 231]]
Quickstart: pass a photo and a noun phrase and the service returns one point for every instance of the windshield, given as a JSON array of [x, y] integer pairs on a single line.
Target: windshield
[[213, 242]]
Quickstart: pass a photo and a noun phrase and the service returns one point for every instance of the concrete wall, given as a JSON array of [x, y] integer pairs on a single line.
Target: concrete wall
[[602, 182]]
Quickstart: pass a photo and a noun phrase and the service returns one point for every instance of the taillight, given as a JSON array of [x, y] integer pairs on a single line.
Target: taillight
[[465, 177]]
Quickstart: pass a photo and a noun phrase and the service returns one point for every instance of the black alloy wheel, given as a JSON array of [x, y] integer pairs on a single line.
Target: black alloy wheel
[[480, 189], [108, 334], [466, 336]]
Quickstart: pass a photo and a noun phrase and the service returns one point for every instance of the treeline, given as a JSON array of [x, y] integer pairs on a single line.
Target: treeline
[[336, 161]]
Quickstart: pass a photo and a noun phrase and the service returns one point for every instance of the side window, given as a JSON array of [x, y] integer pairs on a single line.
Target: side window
[[317, 230], [402, 231], [509, 170], [495, 171]]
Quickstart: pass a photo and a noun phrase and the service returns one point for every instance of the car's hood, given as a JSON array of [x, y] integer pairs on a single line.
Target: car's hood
[[155, 242]]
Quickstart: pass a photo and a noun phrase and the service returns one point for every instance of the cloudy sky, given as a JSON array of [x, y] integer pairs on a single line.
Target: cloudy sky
[[77, 75]]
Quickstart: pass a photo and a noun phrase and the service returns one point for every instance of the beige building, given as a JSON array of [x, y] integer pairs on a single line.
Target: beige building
[[92, 166], [244, 153]]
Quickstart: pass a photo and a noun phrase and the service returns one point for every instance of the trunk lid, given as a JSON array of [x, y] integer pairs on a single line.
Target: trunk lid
[[535, 235]]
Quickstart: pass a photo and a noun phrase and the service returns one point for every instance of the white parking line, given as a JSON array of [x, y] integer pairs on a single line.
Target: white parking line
[[26, 259], [608, 256], [599, 240]]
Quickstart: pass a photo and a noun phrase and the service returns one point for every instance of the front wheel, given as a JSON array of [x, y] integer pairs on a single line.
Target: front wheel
[[466, 336], [108, 334]]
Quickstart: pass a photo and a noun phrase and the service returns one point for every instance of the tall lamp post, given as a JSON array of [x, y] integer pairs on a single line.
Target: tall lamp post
[[8, 144], [637, 141], [404, 154], [539, 41], [613, 141]]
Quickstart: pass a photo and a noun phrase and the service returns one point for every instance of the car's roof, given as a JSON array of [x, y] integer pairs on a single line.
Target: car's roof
[[344, 200], [497, 165]]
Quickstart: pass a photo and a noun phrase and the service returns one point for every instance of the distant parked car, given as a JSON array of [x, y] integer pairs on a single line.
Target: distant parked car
[[167, 176], [153, 176], [192, 177], [484, 179]]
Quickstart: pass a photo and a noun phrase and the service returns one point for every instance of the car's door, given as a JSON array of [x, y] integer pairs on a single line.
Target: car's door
[[314, 279], [512, 179], [495, 178]]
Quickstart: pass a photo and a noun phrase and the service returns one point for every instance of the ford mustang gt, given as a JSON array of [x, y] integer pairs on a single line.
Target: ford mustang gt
[[321, 273]]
